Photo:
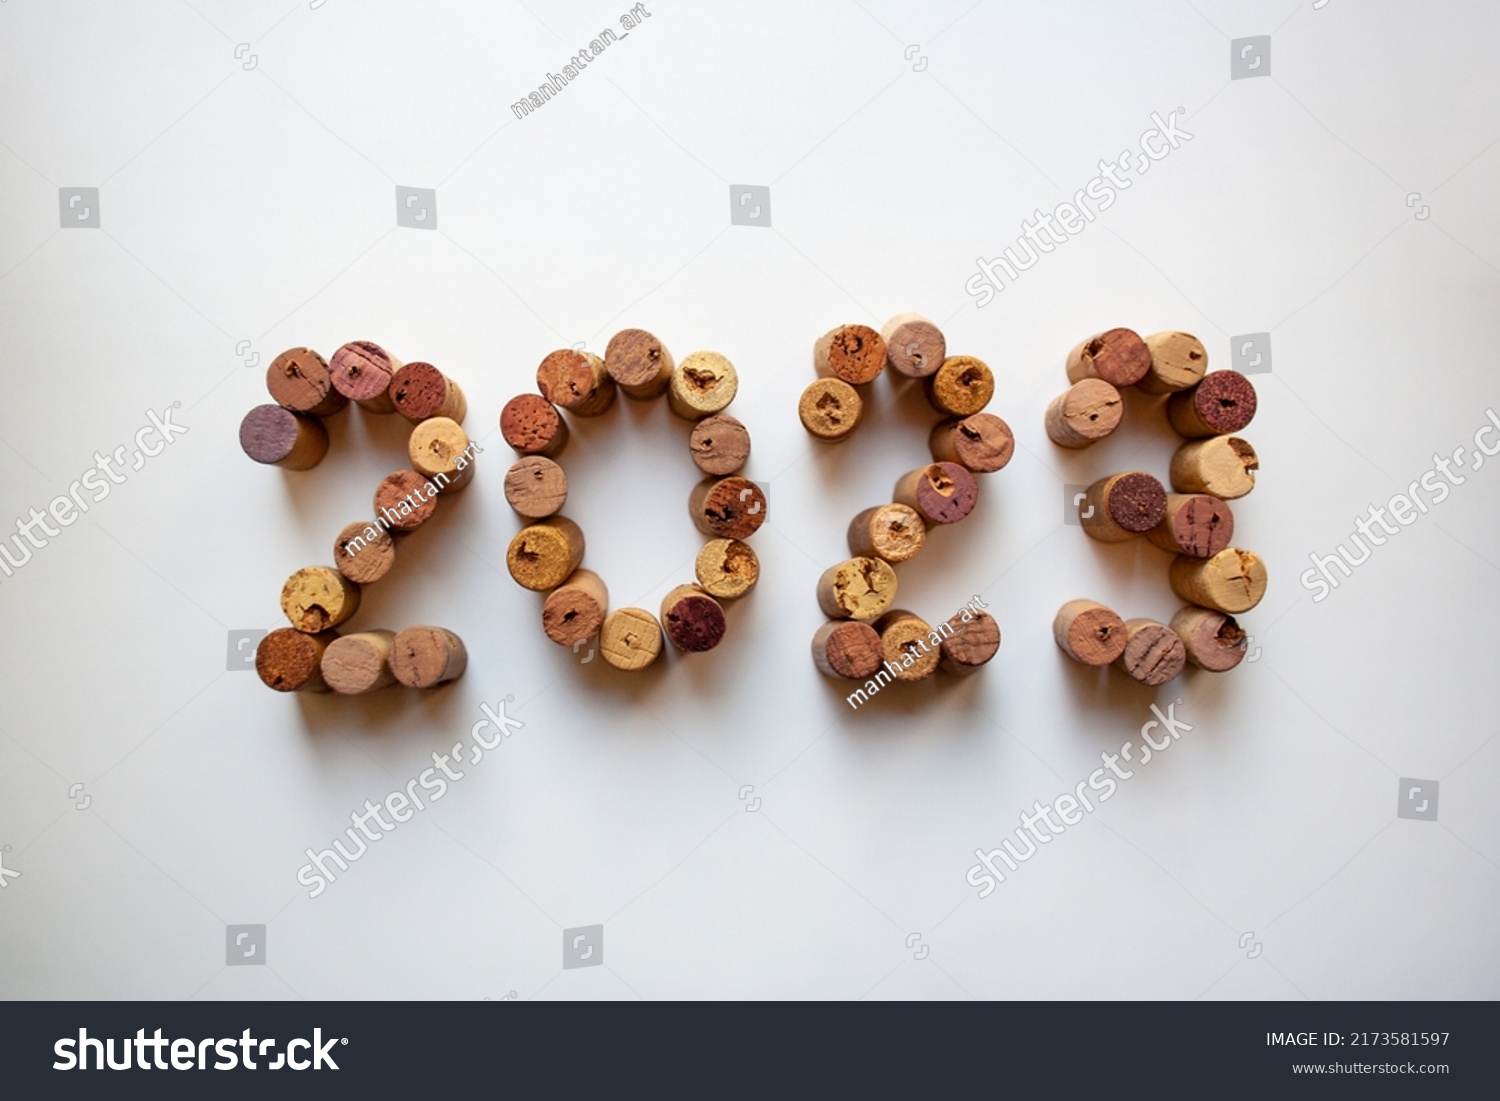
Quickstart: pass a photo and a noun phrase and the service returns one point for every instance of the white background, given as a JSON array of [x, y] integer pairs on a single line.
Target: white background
[[258, 204]]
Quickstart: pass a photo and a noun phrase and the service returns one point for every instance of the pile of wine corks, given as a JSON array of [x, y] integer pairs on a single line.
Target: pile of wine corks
[[311, 655], [546, 555], [1193, 522], [865, 632]]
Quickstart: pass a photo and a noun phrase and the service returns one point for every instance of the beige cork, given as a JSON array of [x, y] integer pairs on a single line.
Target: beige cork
[[906, 646], [543, 555], [691, 619], [847, 649], [575, 610], [362, 370], [1089, 632], [971, 645], [982, 443], [941, 493], [364, 552], [318, 597], [1195, 524], [405, 500], [630, 639], [727, 508], [299, 380], [1153, 653], [1221, 466], [1232, 581], [961, 387], [894, 532], [424, 657], [853, 353], [1213, 640], [420, 390], [830, 409], [639, 363], [1084, 414], [703, 384], [1118, 356], [289, 660], [914, 346], [727, 568], [1122, 506], [439, 449], [576, 380], [536, 487], [719, 445], [359, 663], [857, 588], [1178, 360]]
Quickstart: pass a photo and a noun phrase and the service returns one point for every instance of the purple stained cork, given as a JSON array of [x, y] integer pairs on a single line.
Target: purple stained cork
[[1223, 402], [278, 437]]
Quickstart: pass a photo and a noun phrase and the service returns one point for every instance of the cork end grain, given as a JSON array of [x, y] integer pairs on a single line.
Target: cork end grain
[[1089, 632], [439, 445], [542, 556], [830, 409], [982, 443], [1232, 581], [1136, 502], [299, 380], [847, 649], [419, 391], [703, 384], [405, 500], [276, 436], [1085, 413], [692, 620], [289, 660], [424, 657], [894, 532], [1178, 360], [364, 552], [914, 346], [1153, 653], [720, 445], [361, 371], [854, 353], [728, 508], [316, 598], [1118, 356], [727, 568], [1221, 466], [971, 645], [1224, 402], [1195, 524], [358, 663], [532, 425], [906, 646], [942, 492], [574, 612], [639, 363], [961, 386], [857, 588], [630, 639], [576, 381], [536, 487], [1213, 641]]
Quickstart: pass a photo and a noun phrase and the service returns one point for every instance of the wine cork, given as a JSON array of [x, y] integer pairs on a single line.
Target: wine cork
[[1089, 632], [727, 568], [692, 619], [853, 353], [440, 447], [1122, 506], [1223, 403], [575, 610], [364, 552], [289, 660], [630, 639], [1084, 413], [971, 644], [543, 555], [278, 437], [857, 588], [419, 390], [405, 500], [1194, 524], [299, 380], [532, 425], [702, 384], [906, 646], [1118, 356], [362, 372], [424, 657], [1153, 653], [719, 444], [830, 409], [576, 381], [848, 649], [728, 508], [914, 346], [1212, 640], [359, 663], [1221, 466], [982, 443], [942, 493], [318, 597], [894, 532], [536, 487], [639, 363], [1178, 360], [961, 386], [1232, 581]]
